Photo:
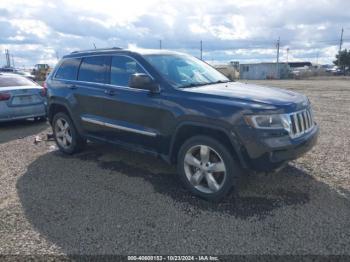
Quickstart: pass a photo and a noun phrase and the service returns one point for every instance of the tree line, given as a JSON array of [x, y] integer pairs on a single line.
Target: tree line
[[343, 60]]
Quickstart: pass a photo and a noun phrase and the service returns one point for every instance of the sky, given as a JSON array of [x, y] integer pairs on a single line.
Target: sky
[[42, 31]]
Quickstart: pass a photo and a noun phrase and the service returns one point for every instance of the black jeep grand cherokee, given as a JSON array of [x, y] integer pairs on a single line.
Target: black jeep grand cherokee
[[181, 109]]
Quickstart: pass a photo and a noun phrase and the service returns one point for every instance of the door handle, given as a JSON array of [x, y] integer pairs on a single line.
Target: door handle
[[73, 87], [110, 92]]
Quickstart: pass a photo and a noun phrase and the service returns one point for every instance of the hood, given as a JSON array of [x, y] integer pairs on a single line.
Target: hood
[[253, 93]]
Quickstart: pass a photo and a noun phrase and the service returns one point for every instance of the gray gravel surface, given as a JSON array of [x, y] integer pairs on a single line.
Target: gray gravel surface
[[109, 201]]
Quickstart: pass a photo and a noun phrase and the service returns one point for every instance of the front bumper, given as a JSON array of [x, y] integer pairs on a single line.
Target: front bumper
[[295, 148], [267, 153]]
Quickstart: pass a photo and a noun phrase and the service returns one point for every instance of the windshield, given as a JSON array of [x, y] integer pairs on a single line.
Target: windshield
[[185, 71]]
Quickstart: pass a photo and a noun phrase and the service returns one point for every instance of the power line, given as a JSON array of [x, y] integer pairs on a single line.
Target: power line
[[253, 41], [217, 45]]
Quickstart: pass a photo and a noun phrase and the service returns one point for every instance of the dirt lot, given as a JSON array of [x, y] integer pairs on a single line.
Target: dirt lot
[[109, 201]]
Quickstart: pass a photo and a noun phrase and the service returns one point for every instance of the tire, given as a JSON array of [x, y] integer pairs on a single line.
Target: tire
[[73, 144], [197, 173]]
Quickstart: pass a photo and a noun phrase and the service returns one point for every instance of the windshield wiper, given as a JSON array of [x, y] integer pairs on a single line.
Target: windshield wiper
[[220, 82], [203, 84], [194, 85]]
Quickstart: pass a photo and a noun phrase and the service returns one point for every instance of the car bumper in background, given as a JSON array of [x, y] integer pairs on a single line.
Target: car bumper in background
[[22, 112]]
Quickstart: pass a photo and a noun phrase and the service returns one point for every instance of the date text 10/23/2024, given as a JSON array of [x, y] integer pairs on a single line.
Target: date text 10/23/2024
[[173, 258]]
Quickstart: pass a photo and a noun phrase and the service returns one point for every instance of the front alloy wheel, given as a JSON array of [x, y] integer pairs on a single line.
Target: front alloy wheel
[[207, 167]]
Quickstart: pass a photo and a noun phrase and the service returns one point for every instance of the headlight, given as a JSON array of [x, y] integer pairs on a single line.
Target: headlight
[[275, 121]]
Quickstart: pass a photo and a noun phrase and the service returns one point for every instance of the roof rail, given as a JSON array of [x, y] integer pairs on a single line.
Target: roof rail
[[97, 49]]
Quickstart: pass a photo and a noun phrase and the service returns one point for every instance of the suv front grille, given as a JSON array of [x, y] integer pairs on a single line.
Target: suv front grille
[[301, 122]]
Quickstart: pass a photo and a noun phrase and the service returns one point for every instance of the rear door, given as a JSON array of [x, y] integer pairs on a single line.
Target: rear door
[[89, 92], [62, 84]]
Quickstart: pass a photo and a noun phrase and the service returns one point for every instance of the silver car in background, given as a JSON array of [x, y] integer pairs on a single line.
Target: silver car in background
[[21, 98]]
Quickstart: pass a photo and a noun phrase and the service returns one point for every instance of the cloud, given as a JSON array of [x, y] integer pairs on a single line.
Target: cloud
[[37, 30]]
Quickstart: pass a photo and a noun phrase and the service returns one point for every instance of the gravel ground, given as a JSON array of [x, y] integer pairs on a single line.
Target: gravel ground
[[109, 201]]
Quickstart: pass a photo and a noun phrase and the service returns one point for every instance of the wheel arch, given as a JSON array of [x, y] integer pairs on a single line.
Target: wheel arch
[[187, 130], [56, 107], [59, 106]]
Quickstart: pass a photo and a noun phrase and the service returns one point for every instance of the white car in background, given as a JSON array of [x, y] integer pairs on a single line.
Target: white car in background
[[21, 98], [25, 74]]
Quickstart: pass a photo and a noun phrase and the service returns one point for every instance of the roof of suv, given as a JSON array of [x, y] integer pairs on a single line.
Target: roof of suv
[[117, 50]]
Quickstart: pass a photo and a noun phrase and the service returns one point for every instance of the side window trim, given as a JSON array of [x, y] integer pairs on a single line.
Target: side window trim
[[108, 70], [59, 66], [137, 62], [122, 86], [56, 69], [105, 68], [81, 61]]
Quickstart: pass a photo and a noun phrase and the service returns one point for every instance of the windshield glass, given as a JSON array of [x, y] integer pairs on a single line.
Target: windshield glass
[[185, 71]]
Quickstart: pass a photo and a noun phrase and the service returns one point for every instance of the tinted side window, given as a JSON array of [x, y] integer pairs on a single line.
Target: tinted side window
[[68, 69], [122, 68], [93, 69]]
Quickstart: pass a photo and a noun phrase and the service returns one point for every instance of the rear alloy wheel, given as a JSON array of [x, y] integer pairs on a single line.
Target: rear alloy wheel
[[63, 133], [207, 168], [67, 138]]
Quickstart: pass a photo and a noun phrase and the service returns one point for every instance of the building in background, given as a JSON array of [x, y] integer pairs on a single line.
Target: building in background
[[260, 71], [230, 70]]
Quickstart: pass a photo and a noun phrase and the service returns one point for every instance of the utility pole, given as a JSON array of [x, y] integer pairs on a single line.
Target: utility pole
[[160, 44], [341, 39], [340, 46], [201, 49], [7, 55], [278, 59]]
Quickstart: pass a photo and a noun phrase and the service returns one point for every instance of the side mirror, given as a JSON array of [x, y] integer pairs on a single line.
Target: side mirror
[[143, 81]]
